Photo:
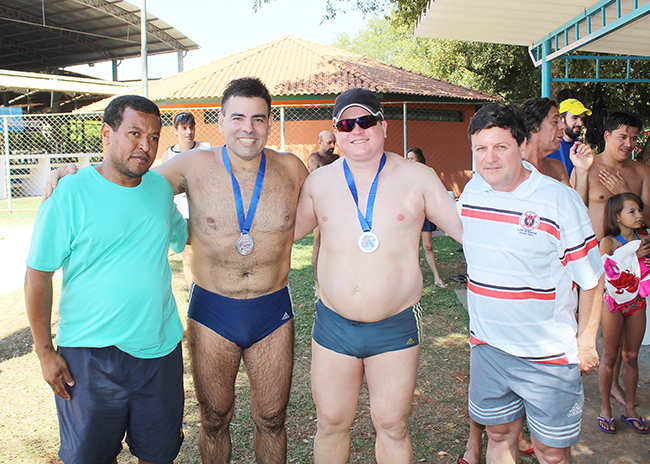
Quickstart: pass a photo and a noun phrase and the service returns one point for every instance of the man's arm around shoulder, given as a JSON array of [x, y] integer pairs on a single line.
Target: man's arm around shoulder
[[38, 301]]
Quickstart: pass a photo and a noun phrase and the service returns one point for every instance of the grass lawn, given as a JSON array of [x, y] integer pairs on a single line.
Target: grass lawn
[[438, 425]]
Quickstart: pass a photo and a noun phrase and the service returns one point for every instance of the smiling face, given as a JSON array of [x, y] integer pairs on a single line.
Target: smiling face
[[245, 123], [497, 157], [131, 149], [621, 142], [361, 144], [574, 124], [551, 131]]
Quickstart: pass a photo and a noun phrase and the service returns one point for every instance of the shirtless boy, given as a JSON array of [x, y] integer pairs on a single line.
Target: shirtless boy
[[368, 318], [613, 171]]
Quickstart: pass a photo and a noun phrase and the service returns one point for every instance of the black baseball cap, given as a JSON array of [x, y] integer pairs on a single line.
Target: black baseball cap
[[362, 98]]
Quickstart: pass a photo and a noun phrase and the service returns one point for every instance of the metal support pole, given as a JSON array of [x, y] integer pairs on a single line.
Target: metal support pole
[[5, 125], [282, 127], [180, 54], [143, 45], [546, 70], [115, 65], [405, 126]]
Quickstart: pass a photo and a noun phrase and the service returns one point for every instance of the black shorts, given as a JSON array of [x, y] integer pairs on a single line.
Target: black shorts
[[116, 394]]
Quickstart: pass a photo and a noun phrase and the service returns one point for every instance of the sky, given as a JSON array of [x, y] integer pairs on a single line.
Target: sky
[[224, 27]]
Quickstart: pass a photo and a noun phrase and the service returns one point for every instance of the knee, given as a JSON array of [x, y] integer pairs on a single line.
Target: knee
[[631, 358], [428, 247], [213, 421], [554, 455], [391, 424], [270, 422]]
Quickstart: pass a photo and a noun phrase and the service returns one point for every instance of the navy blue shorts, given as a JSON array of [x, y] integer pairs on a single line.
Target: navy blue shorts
[[429, 226], [115, 393], [243, 322], [365, 339]]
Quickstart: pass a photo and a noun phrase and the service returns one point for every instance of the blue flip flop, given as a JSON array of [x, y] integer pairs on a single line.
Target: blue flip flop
[[640, 420], [610, 424]]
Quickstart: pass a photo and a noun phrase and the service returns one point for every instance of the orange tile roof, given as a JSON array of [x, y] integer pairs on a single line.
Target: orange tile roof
[[293, 66]]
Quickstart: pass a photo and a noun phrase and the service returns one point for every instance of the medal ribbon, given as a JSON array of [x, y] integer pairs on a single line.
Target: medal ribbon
[[245, 222], [366, 222]]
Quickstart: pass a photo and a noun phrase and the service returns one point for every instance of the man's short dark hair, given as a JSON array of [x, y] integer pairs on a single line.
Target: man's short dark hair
[[185, 118], [115, 109], [248, 87], [620, 118], [507, 117], [535, 111]]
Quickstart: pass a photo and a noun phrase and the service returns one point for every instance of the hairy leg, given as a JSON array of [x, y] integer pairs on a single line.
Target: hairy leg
[[427, 244], [612, 328], [215, 362], [314, 260], [335, 383], [391, 379], [502, 442], [634, 331], [269, 364]]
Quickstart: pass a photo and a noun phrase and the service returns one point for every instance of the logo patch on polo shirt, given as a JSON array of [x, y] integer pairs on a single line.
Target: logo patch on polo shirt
[[529, 222]]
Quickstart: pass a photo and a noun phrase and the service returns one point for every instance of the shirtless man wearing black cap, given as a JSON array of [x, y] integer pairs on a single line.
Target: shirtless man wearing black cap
[[368, 318]]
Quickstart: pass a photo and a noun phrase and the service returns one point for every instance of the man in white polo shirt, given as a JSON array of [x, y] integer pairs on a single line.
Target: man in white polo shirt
[[527, 239]]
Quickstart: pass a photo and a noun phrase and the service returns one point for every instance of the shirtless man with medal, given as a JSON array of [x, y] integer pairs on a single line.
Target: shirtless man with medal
[[240, 306], [368, 320]]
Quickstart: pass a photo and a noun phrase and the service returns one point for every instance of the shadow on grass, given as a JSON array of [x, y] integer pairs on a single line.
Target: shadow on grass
[[16, 344]]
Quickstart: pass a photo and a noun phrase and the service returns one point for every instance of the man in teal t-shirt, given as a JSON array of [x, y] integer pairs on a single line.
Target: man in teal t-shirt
[[118, 366]]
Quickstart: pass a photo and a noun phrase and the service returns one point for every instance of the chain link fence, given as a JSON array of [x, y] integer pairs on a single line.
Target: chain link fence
[[37, 144]]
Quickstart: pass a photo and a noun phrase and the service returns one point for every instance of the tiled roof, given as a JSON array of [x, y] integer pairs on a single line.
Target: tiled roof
[[292, 66]]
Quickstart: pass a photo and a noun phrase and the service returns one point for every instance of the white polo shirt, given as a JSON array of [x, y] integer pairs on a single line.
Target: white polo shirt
[[524, 251]]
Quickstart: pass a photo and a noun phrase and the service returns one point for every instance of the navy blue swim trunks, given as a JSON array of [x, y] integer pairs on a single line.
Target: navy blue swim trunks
[[115, 393], [243, 322], [365, 339]]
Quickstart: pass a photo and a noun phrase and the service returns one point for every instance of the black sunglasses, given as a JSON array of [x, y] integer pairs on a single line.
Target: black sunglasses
[[364, 122]]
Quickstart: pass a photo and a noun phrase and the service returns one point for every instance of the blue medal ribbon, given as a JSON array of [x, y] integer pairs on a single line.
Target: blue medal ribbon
[[246, 221], [366, 222]]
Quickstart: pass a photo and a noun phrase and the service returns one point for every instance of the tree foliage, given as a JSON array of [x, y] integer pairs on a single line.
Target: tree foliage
[[504, 70]]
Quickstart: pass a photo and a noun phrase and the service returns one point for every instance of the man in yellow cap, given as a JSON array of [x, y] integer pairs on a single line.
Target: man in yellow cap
[[573, 114]]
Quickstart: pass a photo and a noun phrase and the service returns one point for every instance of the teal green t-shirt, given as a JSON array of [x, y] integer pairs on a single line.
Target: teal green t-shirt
[[112, 243]]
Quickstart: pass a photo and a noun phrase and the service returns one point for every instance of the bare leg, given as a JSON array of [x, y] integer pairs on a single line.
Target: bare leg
[[269, 364], [474, 447], [314, 260], [547, 455], [427, 244], [391, 381], [617, 391], [335, 382], [634, 331], [612, 328], [523, 444], [187, 268], [215, 362], [502, 442]]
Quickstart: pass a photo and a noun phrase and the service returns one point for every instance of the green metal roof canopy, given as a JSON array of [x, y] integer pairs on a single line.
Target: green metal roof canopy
[[551, 29]]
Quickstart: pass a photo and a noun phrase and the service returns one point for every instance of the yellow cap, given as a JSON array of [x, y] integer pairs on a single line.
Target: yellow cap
[[573, 106]]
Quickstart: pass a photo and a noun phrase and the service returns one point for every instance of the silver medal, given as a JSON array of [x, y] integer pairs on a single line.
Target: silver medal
[[368, 242], [245, 244]]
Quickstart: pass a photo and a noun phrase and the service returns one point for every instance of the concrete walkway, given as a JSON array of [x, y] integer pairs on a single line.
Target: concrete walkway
[[596, 447]]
